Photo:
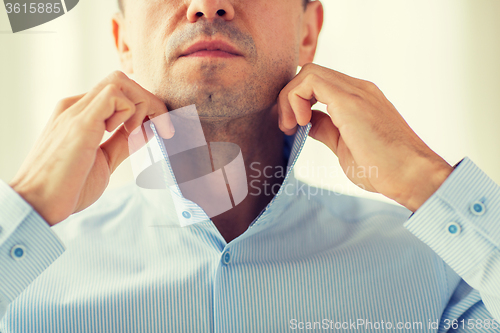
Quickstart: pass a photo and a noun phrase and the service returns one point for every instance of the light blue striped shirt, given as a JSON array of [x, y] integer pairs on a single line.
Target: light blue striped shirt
[[313, 263]]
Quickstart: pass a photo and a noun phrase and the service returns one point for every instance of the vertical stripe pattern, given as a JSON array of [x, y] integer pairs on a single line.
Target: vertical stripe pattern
[[315, 263]]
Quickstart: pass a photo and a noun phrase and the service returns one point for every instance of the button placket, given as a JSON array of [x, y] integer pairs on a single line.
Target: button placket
[[226, 257]]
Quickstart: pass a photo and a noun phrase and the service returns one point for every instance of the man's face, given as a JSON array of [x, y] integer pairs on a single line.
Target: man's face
[[175, 48]]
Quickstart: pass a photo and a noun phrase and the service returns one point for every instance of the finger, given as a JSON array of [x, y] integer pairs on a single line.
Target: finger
[[164, 126], [348, 83], [110, 106], [289, 101], [116, 148], [300, 103], [337, 100], [324, 130], [161, 120], [140, 135], [287, 121], [296, 101], [65, 104], [122, 144], [149, 105], [116, 78], [146, 103]]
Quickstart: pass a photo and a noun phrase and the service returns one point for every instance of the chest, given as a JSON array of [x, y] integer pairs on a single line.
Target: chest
[[181, 287]]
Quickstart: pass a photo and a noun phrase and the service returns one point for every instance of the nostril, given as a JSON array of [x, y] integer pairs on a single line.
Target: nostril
[[221, 12], [199, 14]]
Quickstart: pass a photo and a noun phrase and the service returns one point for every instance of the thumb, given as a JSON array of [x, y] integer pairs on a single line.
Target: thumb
[[324, 130], [122, 144]]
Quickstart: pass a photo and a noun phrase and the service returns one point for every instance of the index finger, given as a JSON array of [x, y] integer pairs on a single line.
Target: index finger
[[146, 103]]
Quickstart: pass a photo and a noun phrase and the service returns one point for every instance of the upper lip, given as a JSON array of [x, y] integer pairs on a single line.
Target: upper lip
[[213, 45]]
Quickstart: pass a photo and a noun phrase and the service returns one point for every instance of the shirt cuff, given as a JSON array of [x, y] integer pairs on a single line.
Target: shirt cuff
[[460, 222], [27, 245]]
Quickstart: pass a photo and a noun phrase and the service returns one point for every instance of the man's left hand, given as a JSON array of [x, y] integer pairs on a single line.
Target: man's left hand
[[366, 132]]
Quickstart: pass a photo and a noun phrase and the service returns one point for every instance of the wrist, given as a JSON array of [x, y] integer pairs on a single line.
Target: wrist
[[32, 198], [426, 178]]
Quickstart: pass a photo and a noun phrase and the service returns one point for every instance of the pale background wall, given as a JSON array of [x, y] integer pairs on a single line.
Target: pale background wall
[[437, 61]]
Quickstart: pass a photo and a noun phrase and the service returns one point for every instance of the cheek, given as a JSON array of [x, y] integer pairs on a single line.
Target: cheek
[[150, 31], [277, 35]]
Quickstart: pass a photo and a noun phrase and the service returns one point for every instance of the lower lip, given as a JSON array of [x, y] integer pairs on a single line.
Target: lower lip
[[211, 54]]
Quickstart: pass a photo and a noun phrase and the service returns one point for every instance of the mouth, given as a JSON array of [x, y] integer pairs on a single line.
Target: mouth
[[211, 49]]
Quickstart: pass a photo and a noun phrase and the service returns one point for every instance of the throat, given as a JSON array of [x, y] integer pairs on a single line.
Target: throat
[[261, 143], [234, 222]]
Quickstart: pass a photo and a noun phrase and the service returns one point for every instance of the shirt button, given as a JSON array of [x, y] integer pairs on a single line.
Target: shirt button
[[17, 252], [453, 228], [477, 208], [226, 258], [186, 214]]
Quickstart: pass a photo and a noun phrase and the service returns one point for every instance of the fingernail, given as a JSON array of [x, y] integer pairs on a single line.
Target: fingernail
[[172, 128]]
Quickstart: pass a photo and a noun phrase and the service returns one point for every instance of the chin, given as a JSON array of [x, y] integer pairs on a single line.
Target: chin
[[220, 106], [215, 100], [222, 92]]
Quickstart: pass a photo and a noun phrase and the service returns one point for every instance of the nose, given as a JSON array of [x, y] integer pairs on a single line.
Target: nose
[[210, 9]]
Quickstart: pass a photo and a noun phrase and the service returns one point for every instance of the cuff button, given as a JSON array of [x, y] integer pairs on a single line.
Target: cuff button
[[454, 229], [478, 208], [17, 252]]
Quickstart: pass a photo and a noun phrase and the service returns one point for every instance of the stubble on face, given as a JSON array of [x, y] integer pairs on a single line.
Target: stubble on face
[[222, 89]]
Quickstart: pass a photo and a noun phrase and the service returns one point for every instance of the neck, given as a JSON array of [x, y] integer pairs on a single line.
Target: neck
[[261, 143]]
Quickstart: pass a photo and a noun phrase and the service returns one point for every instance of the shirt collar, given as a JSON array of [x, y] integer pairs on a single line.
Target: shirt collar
[[292, 148], [175, 209]]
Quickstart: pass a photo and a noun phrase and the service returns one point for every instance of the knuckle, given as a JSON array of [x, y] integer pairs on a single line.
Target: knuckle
[[369, 86], [63, 104], [127, 108], [355, 100], [132, 108], [112, 89], [311, 78]]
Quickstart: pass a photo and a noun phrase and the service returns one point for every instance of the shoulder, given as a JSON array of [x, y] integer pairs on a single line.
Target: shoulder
[[350, 208]]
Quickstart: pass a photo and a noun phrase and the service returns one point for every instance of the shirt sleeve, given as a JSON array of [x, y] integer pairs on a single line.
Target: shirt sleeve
[[460, 222], [466, 313], [27, 245]]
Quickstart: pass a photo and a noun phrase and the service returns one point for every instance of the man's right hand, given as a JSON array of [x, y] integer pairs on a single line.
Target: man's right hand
[[68, 169]]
